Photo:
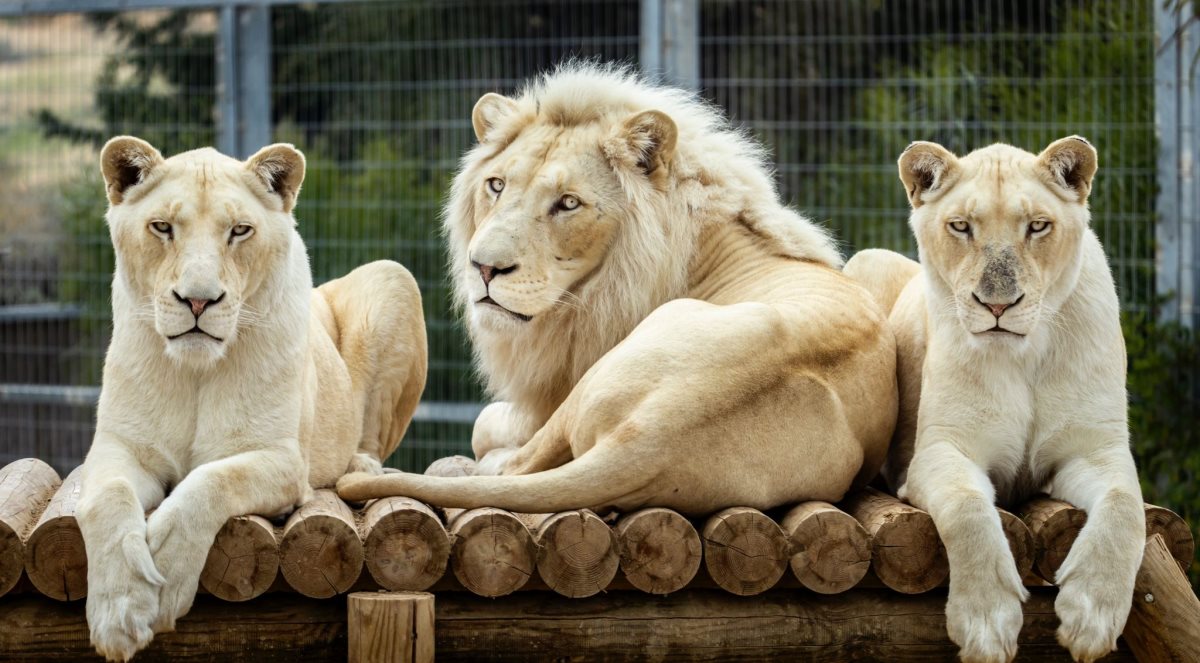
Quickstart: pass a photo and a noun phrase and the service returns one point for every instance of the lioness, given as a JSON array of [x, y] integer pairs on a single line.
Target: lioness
[[228, 377], [1012, 375], [657, 326]]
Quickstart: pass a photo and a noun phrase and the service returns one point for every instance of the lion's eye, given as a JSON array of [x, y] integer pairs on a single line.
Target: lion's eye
[[161, 227], [568, 202], [961, 227], [241, 230], [495, 184], [1038, 226]]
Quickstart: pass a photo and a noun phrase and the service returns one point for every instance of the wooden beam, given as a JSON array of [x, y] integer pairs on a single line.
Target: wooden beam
[[243, 561], [691, 625], [577, 553], [493, 553], [1164, 624]]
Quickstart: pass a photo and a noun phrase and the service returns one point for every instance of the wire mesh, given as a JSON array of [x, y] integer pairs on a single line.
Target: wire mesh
[[379, 94]]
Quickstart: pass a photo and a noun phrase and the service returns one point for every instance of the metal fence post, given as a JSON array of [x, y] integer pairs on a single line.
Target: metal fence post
[[1177, 111], [243, 79], [670, 41]]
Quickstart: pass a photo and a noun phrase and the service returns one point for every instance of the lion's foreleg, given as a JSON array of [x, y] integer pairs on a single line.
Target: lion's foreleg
[[983, 610], [500, 435], [1096, 579], [182, 530], [123, 581]]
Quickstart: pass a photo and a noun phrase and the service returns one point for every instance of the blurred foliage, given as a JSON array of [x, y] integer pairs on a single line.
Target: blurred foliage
[[1164, 402]]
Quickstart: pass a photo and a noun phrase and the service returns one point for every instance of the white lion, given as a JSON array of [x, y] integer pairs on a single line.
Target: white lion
[[229, 381], [1012, 379], [657, 326]]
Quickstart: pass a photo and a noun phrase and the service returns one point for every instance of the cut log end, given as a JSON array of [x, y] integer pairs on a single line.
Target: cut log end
[[745, 552], [660, 550], [906, 553], [26, 487], [1055, 525], [243, 560], [55, 559], [831, 550], [577, 553], [406, 547], [1174, 530], [1020, 541], [493, 551], [321, 554]]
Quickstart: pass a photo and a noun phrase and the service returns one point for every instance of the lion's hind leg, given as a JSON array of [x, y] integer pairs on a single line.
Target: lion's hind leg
[[378, 327]]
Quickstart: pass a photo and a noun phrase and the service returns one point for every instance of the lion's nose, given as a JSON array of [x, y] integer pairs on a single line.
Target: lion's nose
[[197, 305], [997, 309], [489, 272]]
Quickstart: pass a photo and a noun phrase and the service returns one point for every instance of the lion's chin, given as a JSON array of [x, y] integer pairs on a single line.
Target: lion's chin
[[488, 315], [196, 350]]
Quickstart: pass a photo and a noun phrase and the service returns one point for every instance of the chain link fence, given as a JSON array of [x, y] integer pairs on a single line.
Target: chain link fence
[[379, 94]]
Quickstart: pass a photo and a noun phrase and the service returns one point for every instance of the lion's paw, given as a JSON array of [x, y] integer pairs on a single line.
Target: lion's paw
[[179, 553], [985, 630], [984, 615], [1092, 617], [122, 601], [365, 463]]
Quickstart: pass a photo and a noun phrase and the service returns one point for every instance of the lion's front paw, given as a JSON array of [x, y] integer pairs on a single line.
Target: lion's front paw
[[179, 551], [984, 615], [1092, 613], [985, 627], [122, 601]]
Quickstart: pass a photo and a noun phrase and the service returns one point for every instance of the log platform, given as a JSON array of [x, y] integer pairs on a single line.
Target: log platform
[[395, 579]]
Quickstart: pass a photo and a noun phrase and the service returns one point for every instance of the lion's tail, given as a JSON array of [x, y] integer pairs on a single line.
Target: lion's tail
[[599, 478]]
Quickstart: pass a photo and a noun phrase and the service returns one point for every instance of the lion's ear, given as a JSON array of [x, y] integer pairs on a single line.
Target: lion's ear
[[645, 141], [126, 161], [1070, 163], [489, 110], [280, 167], [927, 170]]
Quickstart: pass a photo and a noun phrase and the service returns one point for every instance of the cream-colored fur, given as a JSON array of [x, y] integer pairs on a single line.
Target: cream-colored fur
[[1012, 376], [656, 326], [283, 388]]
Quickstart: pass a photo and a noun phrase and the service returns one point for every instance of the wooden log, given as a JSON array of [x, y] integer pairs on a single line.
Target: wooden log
[[26, 487], [243, 561], [55, 559], [660, 550], [831, 551], [1176, 534], [1020, 541], [1055, 526], [406, 547], [906, 553], [745, 552], [321, 554], [1164, 624], [577, 553], [493, 553], [390, 627]]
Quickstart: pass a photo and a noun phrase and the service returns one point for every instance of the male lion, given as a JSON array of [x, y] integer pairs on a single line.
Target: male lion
[[228, 377], [657, 326], [1012, 378]]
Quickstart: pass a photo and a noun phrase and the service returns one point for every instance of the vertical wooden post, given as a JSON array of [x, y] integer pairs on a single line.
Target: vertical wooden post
[[390, 627]]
